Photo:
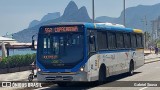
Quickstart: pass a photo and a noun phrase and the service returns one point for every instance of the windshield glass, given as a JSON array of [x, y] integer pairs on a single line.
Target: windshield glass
[[61, 50]]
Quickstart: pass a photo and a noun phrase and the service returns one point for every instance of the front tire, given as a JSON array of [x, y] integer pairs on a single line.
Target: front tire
[[102, 75], [62, 84]]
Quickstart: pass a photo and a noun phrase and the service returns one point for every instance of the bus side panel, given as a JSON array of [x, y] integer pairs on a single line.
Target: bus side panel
[[139, 60], [122, 59], [112, 61], [115, 64], [93, 68], [109, 59]]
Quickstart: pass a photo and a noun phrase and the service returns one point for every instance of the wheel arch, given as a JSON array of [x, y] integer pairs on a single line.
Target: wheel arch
[[103, 67]]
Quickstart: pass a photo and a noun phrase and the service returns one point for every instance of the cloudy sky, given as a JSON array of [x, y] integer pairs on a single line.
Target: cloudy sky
[[15, 15]]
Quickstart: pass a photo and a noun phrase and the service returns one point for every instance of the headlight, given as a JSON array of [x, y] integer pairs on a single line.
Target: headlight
[[38, 69], [81, 69]]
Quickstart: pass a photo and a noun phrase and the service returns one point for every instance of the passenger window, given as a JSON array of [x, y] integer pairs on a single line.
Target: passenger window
[[102, 40], [133, 41], [111, 40], [139, 41], [127, 41], [120, 40]]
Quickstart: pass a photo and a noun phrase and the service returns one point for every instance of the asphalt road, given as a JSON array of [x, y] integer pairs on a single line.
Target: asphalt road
[[148, 72]]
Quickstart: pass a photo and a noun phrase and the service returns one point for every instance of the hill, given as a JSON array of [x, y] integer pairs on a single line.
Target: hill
[[71, 14], [135, 16], [134, 19]]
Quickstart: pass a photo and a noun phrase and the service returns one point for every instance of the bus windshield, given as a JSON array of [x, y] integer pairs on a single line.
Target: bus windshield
[[61, 50]]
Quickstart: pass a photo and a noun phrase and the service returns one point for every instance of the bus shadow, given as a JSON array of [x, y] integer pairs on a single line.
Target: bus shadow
[[86, 85], [120, 76]]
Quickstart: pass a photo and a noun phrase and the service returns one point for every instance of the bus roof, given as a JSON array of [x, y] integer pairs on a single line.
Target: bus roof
[[113, 27], [104, 26]]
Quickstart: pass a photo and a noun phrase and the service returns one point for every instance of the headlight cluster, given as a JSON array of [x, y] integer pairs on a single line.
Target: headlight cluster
[[38, 69], [82, 69]]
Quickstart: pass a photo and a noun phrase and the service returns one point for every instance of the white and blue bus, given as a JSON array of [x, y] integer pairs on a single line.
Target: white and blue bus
[[87, 51]]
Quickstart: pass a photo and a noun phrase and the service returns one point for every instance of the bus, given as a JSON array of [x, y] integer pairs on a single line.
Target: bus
[[87, 51]]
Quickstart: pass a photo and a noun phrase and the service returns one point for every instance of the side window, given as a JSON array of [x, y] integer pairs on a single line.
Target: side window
[[127, 40], [120, 40], [133, 41], [142, 40], [139, 41], [102, 40], [92, 46], [111, 40]]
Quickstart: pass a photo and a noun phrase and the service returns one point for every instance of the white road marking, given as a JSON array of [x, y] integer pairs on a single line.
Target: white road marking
[[143, 88], [42, 88]]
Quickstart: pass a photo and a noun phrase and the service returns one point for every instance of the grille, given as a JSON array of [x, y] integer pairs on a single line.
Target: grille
[[59, 78]]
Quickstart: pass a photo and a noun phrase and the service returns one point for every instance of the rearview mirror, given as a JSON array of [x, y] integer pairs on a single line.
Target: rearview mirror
[[33, 43], [32, 47]]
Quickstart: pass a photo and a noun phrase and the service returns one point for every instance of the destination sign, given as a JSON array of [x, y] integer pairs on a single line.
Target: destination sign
[[61, 29]]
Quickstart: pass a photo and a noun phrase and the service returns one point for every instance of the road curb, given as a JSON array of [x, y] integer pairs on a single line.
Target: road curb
[[152, 61]]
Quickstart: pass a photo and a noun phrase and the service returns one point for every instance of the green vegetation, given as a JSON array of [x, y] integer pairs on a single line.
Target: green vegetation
[[157, 42], [147, 36], [17, 61]]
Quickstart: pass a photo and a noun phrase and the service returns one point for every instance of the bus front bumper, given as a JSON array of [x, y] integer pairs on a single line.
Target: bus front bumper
[[79, 76]]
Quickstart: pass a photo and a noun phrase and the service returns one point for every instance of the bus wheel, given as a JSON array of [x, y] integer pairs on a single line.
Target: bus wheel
[[102, 75], [62, 84], [131, 68]]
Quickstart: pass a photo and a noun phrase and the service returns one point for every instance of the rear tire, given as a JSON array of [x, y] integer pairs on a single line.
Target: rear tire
[[131, 68]]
